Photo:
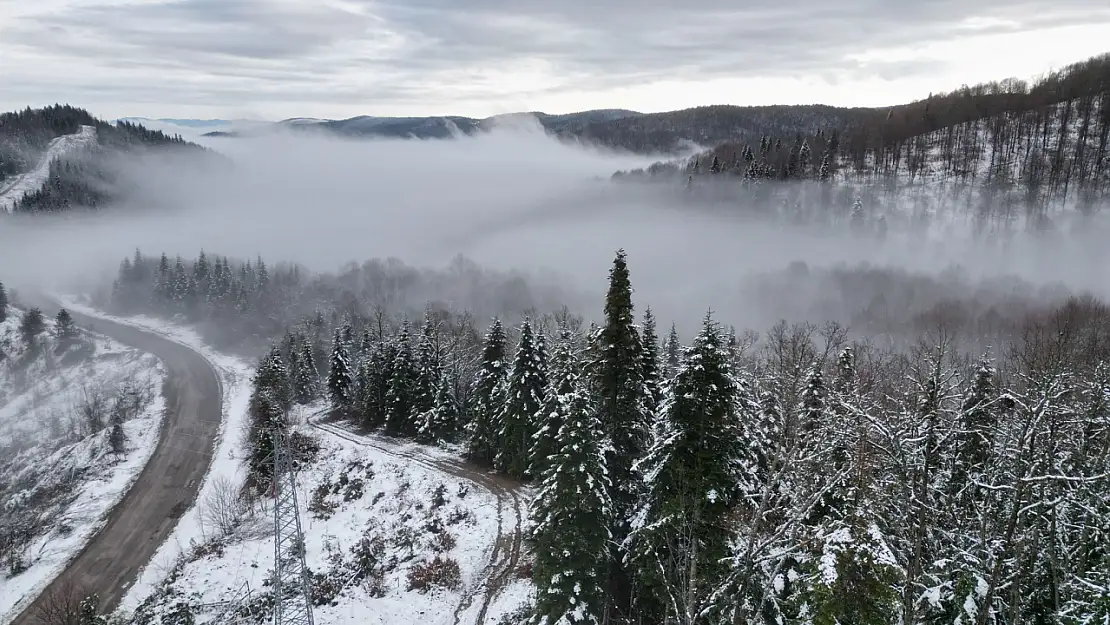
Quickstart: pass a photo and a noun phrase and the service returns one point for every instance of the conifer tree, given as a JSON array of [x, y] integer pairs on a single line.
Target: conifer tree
[[374, 388], [117, 437], [401, 398], [441, 422], [32, 325], [698, 472], [64, 328], [428, 369], [486, 399], [273, 375], [650, 362], [977, 423], [673, 355], [570, 519], [622, 395], [306, 382], [523, 399], [340, 377], [3, 304], [563, 379]]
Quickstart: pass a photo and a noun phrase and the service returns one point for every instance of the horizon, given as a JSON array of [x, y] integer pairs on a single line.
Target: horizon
[[202, 59]]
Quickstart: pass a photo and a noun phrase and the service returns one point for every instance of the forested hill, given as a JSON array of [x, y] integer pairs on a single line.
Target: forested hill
[[84, 175], [999, 146], [669, 132]]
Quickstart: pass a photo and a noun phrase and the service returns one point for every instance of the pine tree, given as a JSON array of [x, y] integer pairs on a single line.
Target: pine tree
[[673, 353], [265, 416], [306, 381], [117, 437], [571, 517], [698, 472], [857, 215], [977, 423], [273, 376], [64, 328], [486, 398], [340, 378], [3, 304], [428, 367], [622, 396], [401, 398], [523, 399], [88, 612], [441, 422], [563, 379], [374, 388], [32, 325], [650, 362]]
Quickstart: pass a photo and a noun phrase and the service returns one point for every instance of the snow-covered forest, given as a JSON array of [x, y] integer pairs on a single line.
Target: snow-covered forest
[[793, 474]]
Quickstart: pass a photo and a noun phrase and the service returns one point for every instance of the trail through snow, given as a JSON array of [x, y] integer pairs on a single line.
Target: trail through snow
[[11, 192], [506, 550]]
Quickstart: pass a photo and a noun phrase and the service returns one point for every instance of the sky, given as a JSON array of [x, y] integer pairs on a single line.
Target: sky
[[273, 59]]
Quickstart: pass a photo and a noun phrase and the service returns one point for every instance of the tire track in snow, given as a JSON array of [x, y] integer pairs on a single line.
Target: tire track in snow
[[508, 544]]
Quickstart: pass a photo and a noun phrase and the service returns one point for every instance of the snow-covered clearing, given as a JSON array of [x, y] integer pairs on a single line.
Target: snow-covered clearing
[[11, 192], [59, 477]]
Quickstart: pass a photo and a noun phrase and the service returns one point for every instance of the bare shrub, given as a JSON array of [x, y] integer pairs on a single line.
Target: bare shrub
[[223, 509], [93, 407], [443, 542], [439, 573], [60, 604]]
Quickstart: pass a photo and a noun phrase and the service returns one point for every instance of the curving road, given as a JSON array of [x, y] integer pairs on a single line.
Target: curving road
[[167, 486]]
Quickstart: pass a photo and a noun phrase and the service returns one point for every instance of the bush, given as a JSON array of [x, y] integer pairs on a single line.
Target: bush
[[439, 573]]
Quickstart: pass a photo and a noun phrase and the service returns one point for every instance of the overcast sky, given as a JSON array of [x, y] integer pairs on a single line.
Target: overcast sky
[[272, 59]]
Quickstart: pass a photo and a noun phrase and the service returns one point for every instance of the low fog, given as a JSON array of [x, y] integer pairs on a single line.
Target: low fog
[[517, 200]]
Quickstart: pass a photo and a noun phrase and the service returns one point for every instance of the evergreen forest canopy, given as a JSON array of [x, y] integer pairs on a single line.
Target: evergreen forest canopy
[[789, 476]]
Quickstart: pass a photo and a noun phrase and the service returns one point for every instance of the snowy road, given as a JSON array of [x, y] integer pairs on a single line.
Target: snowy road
[[165, 489], [12, 191], [506, 551]]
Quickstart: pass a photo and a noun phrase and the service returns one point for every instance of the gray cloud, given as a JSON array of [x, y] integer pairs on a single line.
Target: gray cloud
[[419, 52]]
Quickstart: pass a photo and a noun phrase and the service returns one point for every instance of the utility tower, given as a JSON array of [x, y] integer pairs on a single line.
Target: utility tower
[[292, 586]]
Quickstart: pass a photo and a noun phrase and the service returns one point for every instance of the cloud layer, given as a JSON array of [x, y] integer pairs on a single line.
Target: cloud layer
[[278, 58]]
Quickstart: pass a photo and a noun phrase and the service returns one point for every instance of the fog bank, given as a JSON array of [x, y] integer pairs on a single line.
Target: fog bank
[[514, 199]]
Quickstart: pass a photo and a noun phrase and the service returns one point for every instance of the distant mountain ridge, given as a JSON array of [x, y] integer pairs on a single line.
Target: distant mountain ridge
[[667, 132]]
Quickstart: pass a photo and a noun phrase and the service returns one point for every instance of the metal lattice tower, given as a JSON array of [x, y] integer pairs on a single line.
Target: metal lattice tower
[[292, 586]]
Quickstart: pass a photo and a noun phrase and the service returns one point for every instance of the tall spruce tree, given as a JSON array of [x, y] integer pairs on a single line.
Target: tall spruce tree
[[622, 404], [340, 376], [673, 353], [571, 517], [523, 399], [3, 304], [64, 328], [306, 379], [428, 368], [563, 379], [441, 422], [374, 388], [650, 360], [486, 398], [404, 387], [697, 473]]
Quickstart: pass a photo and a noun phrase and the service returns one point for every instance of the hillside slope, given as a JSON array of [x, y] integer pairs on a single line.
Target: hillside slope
[[60, 156], [79, 418]]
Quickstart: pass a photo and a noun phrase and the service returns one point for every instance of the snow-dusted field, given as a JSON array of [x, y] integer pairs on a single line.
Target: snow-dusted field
[[12, 191], [57, 475], [354, 498]]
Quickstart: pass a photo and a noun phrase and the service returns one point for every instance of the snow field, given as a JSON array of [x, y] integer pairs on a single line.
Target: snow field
[[45, 444]]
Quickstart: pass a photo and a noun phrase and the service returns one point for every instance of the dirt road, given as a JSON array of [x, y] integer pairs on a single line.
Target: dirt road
[[165, 489], [505, 556]]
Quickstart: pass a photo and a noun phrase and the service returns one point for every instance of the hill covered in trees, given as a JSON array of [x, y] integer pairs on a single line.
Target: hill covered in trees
[[86, 177], [1001, 152]]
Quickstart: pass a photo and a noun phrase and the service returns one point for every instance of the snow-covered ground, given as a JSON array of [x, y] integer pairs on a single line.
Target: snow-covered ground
[[59, 477], [394, 511], [12, 191]]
